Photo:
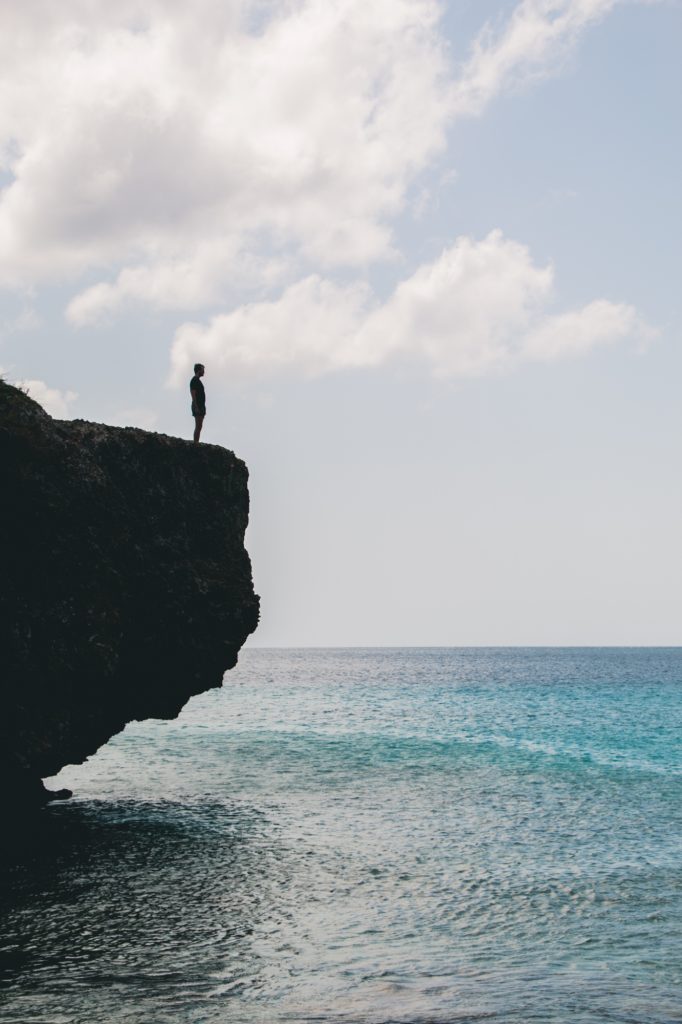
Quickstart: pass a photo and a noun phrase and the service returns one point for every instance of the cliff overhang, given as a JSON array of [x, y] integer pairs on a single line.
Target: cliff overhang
[[125, 587]]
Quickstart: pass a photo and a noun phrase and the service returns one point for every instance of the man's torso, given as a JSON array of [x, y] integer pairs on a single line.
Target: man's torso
[[197, 389]]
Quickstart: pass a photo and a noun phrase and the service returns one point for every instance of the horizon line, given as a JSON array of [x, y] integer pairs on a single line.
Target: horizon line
[[460, 647]]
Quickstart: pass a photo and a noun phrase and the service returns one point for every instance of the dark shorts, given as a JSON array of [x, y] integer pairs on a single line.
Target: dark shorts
[[197, 412]]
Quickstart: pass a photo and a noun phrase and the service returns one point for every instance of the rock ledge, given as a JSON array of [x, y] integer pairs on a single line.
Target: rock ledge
[[125, 587]]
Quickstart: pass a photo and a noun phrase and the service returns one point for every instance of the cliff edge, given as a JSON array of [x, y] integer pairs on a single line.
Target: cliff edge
[[125, 587]]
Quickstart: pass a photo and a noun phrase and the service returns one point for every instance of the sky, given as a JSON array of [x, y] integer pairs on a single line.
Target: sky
[[429, 253]]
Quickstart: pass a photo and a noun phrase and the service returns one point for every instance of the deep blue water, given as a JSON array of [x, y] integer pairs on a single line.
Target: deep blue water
[[369, 835]]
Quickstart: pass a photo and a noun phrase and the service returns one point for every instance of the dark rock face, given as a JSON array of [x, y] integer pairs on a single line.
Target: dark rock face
[[125, 587]]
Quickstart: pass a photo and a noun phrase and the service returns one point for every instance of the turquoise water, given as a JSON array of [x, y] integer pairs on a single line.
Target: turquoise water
[[369, 836]]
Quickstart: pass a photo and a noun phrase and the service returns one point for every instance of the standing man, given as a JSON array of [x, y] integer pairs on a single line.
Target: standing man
[[198, 400]]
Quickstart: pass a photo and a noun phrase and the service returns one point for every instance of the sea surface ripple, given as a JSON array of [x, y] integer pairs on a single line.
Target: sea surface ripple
[[417, 835]]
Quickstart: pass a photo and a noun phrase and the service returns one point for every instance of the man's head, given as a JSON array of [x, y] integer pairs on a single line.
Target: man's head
[[199, 369]]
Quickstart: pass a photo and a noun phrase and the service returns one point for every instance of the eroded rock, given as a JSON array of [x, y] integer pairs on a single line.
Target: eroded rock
[[125, 587]]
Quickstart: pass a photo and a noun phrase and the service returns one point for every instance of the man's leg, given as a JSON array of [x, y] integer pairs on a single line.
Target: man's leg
[[198, 424]]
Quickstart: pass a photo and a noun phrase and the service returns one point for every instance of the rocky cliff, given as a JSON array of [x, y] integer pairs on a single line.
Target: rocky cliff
[[125, 587]]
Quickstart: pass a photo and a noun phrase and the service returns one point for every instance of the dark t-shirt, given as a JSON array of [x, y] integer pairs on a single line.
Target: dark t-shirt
[[197, 387]]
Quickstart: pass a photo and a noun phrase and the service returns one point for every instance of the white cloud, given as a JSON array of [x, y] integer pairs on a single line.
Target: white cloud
[[573, 333], [192, 157], [311, 327], [480, 307], [183, 283], [464, 311], [537, 37], [189, 154], [52, 400], [191, 149]]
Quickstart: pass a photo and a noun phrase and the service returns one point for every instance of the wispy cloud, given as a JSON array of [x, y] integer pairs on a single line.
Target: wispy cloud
[[536, 38], [54, 401]]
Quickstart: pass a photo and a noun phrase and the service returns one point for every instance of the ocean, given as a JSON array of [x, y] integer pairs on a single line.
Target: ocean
[[368, 835]]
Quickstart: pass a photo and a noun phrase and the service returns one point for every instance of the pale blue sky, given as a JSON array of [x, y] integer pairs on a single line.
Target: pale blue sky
[[486, 453]]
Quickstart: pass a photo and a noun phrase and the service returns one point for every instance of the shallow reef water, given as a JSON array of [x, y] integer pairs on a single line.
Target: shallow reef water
[[417, 835]]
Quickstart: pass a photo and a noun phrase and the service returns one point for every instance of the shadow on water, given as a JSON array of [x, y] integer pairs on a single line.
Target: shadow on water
[[108, 904]]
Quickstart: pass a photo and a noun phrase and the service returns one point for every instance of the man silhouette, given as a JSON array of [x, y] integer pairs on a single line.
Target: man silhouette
[[198, 394]]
